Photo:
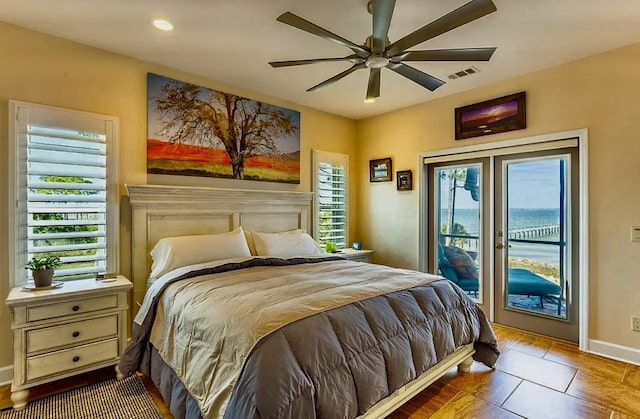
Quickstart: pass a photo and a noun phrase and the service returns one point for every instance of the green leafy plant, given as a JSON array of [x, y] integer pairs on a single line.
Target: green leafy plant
[[42, 263]]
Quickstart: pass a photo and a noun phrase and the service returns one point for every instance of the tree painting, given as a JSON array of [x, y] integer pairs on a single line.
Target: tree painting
[[196, 131]]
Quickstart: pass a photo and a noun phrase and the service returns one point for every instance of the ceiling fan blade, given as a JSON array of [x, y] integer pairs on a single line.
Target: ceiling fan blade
[[353, 58], [373, 88], [454, 54], [469, 12], [336, 77], [423, 79], [304, 25], [382, 11]]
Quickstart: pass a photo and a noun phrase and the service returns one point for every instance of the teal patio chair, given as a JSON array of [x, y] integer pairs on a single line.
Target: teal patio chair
[[468, 284], [521, 281], [524, 282]]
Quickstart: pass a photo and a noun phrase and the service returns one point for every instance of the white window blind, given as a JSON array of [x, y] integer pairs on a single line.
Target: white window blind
[[331, 192], [66, 194], [66, 199]]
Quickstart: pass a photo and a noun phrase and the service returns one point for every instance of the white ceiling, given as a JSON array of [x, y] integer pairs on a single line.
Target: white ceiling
[[232, 41]]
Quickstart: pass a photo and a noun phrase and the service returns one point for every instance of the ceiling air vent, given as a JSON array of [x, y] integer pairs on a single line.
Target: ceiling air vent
[[463, 73]]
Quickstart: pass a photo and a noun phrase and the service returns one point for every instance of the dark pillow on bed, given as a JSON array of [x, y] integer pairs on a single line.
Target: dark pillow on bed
[[461, 262]]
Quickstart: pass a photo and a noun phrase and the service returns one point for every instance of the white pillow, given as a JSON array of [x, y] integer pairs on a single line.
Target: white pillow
[[287, 243], [174, 252], [249, 238]]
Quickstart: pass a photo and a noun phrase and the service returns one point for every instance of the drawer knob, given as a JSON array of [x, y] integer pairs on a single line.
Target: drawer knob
[[76, 358], [75, 334], [75, 308]]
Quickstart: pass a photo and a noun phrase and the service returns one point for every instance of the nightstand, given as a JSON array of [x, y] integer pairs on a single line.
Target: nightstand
[[57, 333], [357, 255]]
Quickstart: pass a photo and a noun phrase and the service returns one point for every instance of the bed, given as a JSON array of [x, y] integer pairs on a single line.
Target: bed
[[290, 332]]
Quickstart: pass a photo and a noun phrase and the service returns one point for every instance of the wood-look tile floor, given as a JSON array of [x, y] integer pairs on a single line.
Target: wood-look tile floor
[[535, 377]]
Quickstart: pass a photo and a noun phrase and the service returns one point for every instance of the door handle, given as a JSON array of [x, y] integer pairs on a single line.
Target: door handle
[[502, 246]]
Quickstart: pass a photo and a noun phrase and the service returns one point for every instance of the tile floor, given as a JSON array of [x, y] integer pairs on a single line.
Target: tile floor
[[536, 377]]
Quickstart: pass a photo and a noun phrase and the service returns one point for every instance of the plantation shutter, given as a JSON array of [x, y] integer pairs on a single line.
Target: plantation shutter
[[331, 212], [67, 199], [66, 192]]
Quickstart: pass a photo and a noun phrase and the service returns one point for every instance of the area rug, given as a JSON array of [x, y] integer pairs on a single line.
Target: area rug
[[109, 399]]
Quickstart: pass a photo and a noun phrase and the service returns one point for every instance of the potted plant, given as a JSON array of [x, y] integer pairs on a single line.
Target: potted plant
[[42, 268]]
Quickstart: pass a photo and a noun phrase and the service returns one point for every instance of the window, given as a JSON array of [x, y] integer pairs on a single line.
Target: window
[[65, 189], [331, 192]]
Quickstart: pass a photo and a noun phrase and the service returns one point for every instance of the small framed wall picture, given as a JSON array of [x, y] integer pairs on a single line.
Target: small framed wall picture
[[502, 114], [380, 170], [404, 181]]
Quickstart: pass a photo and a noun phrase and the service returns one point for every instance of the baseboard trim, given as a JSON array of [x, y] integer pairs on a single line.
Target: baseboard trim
[[6, 375], [614, 351]]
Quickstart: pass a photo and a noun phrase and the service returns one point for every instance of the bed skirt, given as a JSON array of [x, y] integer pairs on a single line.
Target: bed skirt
[[174, 393]]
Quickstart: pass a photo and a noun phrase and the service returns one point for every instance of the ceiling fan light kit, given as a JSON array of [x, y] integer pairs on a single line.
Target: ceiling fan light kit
[[378, 53], [376, 61]]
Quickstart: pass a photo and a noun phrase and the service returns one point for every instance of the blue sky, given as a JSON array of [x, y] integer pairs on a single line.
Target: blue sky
[[532, 184]]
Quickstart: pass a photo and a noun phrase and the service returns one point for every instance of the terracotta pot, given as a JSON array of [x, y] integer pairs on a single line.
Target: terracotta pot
[[43, 278]]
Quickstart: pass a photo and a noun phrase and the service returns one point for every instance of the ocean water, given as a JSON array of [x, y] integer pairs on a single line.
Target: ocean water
[[518, 218]]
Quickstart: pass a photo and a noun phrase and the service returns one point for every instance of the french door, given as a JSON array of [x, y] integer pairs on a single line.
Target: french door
[[504, 229], [459, 223]]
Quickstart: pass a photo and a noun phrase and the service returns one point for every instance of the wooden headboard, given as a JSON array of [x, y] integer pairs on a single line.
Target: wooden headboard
[[167, 211]]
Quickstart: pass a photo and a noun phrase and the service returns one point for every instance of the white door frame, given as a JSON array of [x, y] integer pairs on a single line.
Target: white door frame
[[539, 142]]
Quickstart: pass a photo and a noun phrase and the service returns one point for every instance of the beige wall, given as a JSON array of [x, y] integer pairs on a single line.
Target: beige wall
[[601, 93], [47, 70]]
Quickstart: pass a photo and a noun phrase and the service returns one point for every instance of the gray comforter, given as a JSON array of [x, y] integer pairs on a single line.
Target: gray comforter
[[340, 362]]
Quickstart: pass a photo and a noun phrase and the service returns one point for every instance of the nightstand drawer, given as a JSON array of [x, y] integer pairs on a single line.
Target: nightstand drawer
[[67, 308], [70, 359], [71, 333]]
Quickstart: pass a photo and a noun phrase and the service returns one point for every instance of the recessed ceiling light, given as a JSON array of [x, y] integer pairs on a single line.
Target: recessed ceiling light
[[163, 25], [370, 100]]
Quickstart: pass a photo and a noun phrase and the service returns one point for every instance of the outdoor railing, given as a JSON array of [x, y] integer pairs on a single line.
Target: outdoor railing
[[536, 231]]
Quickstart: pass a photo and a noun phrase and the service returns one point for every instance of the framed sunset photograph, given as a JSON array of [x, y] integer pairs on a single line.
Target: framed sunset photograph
[[507, 113]]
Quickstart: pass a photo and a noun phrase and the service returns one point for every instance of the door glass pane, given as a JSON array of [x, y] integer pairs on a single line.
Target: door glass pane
[[536, 220], [458, 219]]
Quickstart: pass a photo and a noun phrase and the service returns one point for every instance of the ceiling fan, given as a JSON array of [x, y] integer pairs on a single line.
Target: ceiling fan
[[378, 52]]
